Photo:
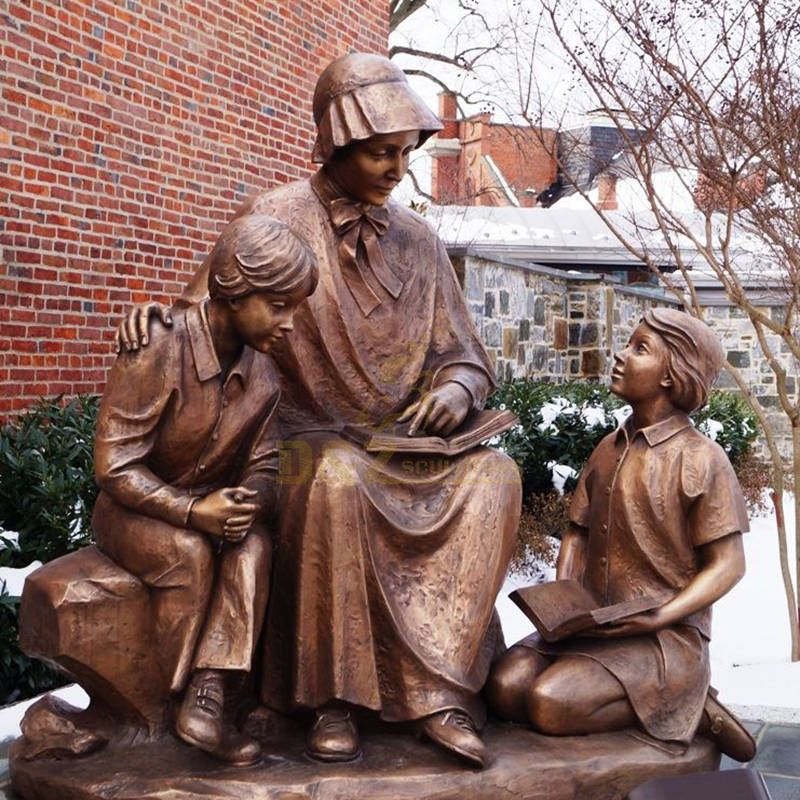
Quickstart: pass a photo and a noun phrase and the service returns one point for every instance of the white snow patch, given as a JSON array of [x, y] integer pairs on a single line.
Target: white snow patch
[[9, 540], [711, 428], [593, 415], [551, 411], [560, 473], [13, 578], [621, 414]]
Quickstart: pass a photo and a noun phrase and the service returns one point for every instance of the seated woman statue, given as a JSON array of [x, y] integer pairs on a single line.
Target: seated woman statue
[[186, 460], [658, 514], [386, 568]]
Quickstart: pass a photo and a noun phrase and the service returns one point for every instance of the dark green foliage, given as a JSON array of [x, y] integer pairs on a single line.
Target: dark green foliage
[[47, 492], [20, 677], [569, 440], [739, 424], [47, 487]]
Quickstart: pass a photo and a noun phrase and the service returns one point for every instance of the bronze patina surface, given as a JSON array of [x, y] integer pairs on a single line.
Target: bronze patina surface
[[523, 765], [657, 513], [271, 610]]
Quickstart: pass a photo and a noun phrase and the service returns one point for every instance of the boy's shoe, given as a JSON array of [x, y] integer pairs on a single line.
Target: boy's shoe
[[721, 726], [455, 731], [333, 737], [200, 721]]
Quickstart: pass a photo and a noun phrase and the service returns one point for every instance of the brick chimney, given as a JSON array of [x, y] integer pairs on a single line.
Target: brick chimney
[[445, 150], [607, 191]]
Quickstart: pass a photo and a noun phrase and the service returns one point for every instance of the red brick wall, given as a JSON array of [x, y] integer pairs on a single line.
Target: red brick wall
[[129, 132], [525, 157]]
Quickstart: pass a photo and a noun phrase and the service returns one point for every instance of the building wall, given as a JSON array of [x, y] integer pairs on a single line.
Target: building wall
[[129, 133]]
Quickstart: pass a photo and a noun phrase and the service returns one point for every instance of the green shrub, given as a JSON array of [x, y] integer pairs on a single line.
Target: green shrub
[[739, 424], [20, 677], [47, 492], [47, 487], [559, 423]]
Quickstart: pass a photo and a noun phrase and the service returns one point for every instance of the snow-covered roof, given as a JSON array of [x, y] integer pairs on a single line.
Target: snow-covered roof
[[544, 235], [578, 237]]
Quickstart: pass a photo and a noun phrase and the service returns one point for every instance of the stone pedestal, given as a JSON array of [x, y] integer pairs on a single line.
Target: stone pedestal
[[84, 614], [523, 766]]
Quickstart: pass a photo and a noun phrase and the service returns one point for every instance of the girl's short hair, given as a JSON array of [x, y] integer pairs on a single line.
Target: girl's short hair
[[695, 355], [258, 253]]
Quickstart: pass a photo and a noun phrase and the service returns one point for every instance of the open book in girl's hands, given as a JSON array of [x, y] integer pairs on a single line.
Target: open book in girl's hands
[[563, 608]]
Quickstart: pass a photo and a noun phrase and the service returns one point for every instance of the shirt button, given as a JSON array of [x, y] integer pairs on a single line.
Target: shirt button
[[608, 490], [224, 403], [603, 560], [201, 467], [215, 436], [604, 528]]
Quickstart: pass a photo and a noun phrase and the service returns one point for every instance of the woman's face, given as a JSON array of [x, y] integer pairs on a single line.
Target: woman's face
[[368, 170]]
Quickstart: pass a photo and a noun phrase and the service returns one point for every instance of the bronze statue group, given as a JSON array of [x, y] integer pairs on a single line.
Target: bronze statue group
[[360, 587]]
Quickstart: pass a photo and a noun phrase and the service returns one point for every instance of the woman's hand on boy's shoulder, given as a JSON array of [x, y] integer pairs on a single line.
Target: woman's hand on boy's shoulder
[[134, 331]]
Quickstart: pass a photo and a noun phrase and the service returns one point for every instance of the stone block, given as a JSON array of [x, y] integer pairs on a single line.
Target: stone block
[[738, 358], [560, 334], [510, 342], [524, 330], [589, 333], [593, 363], [539, 311], [86, 615], [493, 333], [473, 282], [503, 302], [489, 304], [539, 358]]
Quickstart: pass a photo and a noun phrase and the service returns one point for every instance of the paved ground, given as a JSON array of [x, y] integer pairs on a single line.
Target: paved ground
[[778, 760]]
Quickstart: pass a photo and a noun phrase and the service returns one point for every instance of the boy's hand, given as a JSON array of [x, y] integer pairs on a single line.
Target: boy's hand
[[226, 514], [441, 410], [133, 330]]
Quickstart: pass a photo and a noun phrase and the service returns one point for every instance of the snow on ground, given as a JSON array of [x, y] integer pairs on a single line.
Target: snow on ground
[[749, 650]]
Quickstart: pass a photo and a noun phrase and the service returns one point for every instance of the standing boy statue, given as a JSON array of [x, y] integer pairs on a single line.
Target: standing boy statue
[[657, 513], [186, 458]]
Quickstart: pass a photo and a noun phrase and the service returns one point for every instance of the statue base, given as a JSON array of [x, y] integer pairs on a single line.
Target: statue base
[[522, 765]]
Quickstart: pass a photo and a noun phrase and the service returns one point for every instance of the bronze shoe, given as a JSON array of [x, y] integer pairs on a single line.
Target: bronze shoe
[[455, 731], [333, 737], [237, 749], [721, 726], [199, 720]]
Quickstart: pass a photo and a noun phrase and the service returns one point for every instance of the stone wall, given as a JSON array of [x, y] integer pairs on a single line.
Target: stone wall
[[538, 322], [547, 323]]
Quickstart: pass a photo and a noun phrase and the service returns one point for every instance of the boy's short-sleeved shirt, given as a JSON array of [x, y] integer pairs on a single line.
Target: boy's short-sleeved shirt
[[647, 500]]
